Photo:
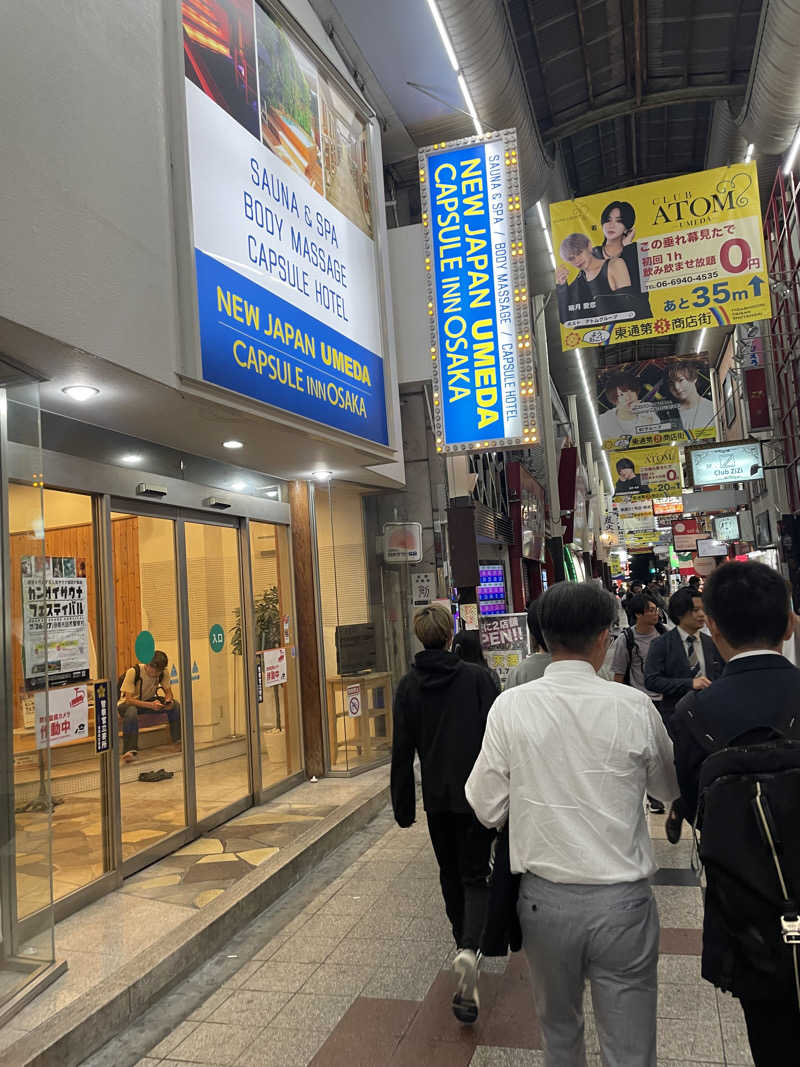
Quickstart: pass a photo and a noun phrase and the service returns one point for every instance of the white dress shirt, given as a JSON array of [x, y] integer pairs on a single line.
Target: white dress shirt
[[698, 647], [568, 759]]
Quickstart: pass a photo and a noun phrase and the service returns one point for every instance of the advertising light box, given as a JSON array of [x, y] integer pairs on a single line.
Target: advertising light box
[[726, 527], [480, 330], [286, 269], [735, 461], [661, 258], [707, 546]]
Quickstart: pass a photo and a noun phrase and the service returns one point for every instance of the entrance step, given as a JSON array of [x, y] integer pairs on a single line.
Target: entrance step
[[112, 984]]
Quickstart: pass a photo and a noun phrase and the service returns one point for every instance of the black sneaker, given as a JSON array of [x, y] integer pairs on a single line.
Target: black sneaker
[[655, 807], [466, 1001]]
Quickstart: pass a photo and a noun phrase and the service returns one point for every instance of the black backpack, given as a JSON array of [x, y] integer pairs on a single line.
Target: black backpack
[[749, 815], [630, 644], [137, 679]]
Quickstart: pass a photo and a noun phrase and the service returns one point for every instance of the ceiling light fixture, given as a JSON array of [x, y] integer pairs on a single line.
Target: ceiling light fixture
[[238, 485], [590, 405], [451, 55], [749, 153], [700, 342], [322, 475], [232, 443], [440, 26], [787, 168], [80, 392], [131, 458]]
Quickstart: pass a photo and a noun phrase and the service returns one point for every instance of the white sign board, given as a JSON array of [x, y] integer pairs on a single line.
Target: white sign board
[[423, 588], [68, 718], [402, 542], [739, 461], [274, 666], [353, 697]]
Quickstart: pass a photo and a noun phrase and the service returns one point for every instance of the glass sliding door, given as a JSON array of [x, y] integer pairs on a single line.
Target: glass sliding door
[[148, 686], [279, 707], [219, 689]]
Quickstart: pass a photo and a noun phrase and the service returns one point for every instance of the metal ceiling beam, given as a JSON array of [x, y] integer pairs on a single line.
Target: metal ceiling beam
[[648, 103]]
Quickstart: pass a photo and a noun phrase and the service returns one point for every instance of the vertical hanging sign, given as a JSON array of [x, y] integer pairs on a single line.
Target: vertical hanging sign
[[480, 330]]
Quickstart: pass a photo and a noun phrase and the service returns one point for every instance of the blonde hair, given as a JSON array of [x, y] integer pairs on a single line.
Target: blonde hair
[[433, 625]]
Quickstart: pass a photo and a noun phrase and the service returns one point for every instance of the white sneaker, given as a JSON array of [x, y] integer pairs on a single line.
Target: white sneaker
[[466, 1001]]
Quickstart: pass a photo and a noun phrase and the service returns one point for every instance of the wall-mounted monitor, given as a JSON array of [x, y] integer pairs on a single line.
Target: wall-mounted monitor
[[707, 546], [726, 528], [735, 461]]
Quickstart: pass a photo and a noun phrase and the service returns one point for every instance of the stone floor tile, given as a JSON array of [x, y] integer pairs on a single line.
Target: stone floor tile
[[430, 929], [333, 979], [679, 906], [379, 924], [360, 951], [210, 1005], [215, 1043], [275, 977], [734, 1041], [683, 969], [283, 1048], [681, 941], [486, 1056], [147, 1062], [691, 1001], [171, 1041], [241, 976], [249, 1007], [368, 1034], [690, 1040], [413, 1053], [313, 1010], [301, 949]]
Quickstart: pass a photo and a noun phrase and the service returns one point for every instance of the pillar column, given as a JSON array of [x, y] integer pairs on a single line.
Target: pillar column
[[305, 595]]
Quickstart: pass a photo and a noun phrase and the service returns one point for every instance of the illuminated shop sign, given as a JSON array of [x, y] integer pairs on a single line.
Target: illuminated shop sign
[[287, 283], [661, 258], [736, 461], [480, 330]]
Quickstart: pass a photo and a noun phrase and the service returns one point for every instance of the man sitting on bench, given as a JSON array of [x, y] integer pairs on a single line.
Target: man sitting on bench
[[145, 689]]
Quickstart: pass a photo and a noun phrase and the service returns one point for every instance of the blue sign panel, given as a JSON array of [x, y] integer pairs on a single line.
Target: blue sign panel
[[259, 345], [102, 735], [483, 372]]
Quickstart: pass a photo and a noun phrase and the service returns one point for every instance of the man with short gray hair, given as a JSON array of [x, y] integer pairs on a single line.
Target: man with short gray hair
[[440, 710], [567, 759]]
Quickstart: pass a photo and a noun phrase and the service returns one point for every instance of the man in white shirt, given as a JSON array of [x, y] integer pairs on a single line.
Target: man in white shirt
[[568, 759]]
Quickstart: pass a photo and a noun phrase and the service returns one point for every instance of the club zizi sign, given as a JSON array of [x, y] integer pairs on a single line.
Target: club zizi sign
[[481, 349]]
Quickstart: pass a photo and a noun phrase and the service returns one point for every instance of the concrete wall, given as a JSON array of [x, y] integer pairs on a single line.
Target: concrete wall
[[87, 228], [409, 301]]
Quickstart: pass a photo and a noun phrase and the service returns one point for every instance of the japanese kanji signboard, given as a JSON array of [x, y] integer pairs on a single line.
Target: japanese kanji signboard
[[504, 639], [55, 621], [661, 258]]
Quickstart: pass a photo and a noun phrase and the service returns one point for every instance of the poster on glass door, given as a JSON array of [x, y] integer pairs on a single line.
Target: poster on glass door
[[55, 620]]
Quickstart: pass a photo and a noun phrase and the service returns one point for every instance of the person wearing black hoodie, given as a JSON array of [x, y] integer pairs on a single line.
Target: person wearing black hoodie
[[440, 711]]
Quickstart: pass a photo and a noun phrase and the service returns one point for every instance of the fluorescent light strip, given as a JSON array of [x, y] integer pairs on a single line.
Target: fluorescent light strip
[[541, 214], [437, 18], [593, 413], [749, 153], [470, 106], [787, 169], [700, 342]]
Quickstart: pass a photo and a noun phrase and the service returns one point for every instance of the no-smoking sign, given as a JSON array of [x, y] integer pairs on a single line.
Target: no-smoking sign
[[353, 693]]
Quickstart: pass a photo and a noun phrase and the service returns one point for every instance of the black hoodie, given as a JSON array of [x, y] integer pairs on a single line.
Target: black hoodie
[[440, 710]]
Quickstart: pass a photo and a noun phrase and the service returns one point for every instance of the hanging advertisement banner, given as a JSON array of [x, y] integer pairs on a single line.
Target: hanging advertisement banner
[[655, 401], [480, 330], [634, 512], [756, 399], [287, 282], [685, 533], [402, 542], [505, 642], [55, 617], [654, 471], [668, 505], [643, 541], [274, 666], [661, 258]]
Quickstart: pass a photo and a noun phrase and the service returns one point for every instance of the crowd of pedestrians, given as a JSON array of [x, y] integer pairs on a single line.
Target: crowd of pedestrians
[[536, 799]]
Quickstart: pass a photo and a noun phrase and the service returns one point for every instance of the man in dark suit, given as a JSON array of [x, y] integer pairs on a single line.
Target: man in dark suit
[[682, 659], [750, 616]]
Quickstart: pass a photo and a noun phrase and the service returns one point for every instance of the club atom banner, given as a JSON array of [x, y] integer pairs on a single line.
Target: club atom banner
[[655, 401], [661, 258], [287, 283], [480, 331], [654, 471]]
